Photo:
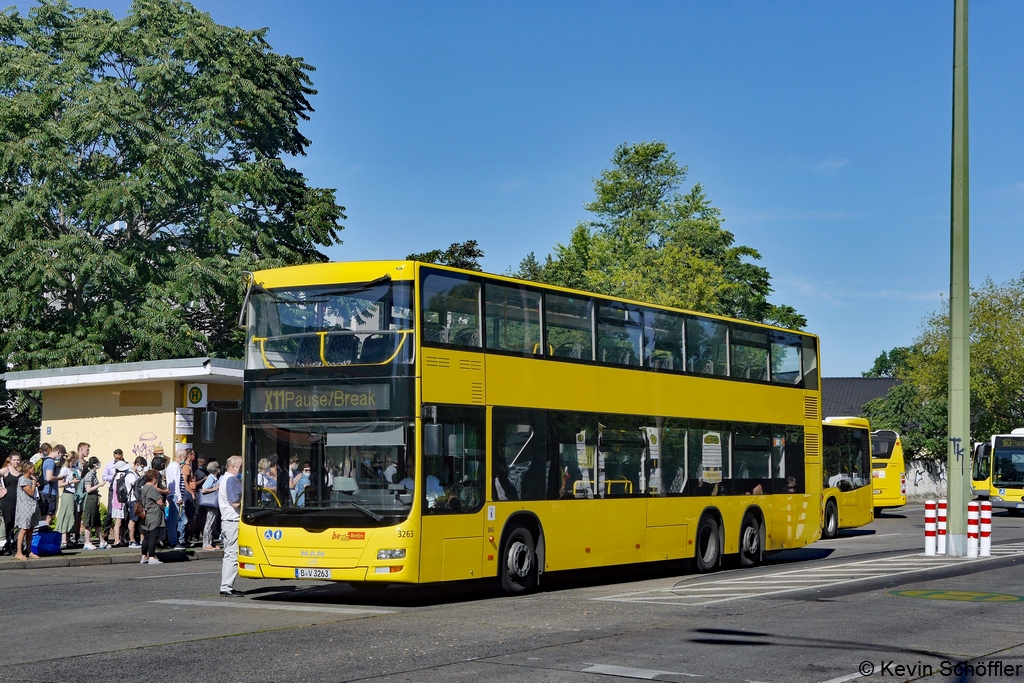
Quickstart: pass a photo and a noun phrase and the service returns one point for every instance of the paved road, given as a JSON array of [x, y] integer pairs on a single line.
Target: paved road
[[814, 614]]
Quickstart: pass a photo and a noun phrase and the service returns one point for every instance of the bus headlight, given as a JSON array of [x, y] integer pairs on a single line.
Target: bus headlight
[[244, 551], [391, 554], [997, 499]]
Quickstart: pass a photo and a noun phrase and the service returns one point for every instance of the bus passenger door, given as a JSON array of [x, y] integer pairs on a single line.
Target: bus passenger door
[[452, 477]]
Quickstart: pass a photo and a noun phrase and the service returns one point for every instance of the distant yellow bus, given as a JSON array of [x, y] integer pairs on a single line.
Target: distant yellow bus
[[1001, 466], [846, 497], [411, 423], [888, 470], [981, 470]]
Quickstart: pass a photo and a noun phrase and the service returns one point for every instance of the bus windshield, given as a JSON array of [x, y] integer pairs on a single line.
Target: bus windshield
[[345, 474], [882, 445], [1009, 468], [357, 324]]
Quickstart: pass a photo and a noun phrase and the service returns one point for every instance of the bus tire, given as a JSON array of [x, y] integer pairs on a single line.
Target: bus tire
[[878, 512], [707, 552], [751, 547], [519, 562], [830, 528]]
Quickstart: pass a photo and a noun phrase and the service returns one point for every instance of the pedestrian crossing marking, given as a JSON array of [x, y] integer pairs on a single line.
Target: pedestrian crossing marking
[[701, 591]]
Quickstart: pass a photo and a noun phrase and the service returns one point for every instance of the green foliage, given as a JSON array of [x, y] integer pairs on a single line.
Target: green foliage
[[458, 255], [895, 363], [651, 243], [997, 370], [142, 170], [920, 422]]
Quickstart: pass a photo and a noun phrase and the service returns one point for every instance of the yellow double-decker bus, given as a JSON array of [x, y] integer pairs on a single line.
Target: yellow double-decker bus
[[846, 497], [998, 471], [411, 423]]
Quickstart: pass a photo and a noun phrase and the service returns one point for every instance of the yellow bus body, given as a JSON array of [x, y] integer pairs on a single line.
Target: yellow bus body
[[996, 471], [573, 533], [888, 470], [850, 495]]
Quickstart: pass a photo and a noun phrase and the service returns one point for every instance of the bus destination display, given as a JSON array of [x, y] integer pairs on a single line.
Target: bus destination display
[[316, 399]]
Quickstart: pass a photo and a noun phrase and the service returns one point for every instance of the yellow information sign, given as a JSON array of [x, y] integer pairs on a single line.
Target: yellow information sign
[[959, 596]]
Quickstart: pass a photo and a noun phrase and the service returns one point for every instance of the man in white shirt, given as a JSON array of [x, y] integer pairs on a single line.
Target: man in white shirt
[[229, 499], [109, 470]]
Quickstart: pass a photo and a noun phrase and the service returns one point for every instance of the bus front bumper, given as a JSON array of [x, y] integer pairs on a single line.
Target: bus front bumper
[[999, 502]]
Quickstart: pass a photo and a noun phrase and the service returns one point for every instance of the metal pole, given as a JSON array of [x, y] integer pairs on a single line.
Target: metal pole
[[959, 301]]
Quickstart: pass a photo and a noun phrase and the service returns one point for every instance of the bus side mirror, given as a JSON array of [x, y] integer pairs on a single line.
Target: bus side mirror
[[432, 434], [209, 428]]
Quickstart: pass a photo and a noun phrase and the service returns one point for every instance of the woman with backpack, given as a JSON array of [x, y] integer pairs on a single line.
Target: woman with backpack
[[91, 514], [26, 516], [68, 479], [119, 500], [134, 481], [151, 506]]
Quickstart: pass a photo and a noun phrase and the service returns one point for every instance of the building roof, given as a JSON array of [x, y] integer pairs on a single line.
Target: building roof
[[846, 396], [212, 370]]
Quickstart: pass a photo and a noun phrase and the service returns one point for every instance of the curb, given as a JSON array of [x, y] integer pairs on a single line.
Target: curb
[[91, 560]]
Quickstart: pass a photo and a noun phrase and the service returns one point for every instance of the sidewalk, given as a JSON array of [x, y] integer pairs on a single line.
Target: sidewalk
[[77, 557]]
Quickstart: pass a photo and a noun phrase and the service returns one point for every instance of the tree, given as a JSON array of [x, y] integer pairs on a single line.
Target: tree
[[651, 243], [457, 255], [921, 423], [142, 170], [997, 371], [895, 363]]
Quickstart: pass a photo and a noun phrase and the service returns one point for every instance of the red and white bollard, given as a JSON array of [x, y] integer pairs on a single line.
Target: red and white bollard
[[972, 530], [985, 542], [941, 531], [929, 527]]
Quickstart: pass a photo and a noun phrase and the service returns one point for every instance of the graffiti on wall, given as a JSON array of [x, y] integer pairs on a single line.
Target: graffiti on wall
[[144, 445]]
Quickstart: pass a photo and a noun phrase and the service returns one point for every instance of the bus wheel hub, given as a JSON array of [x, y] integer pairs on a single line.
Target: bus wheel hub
[[520, 559]]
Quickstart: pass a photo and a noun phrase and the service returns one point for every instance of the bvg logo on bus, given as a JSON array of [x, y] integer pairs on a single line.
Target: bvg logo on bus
[[311, 553]]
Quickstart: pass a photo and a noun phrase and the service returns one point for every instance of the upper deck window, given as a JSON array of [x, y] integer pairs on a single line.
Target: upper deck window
[[512, 319], [356, 324], [707, 347], [451, 310], [749, 353], [568, 322], [620, 332]]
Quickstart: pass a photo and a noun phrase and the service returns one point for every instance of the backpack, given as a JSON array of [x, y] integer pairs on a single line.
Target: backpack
[[40, 463], [120, 489], [137, 486]]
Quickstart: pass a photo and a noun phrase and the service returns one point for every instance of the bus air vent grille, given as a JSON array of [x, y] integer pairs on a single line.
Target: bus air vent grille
[[437, 361], [811, 445], [476, 392], [811, 408], [466, 364]]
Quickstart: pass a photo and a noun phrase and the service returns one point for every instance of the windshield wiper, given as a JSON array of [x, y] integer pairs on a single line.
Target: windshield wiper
[[253, 515], [366, 511]]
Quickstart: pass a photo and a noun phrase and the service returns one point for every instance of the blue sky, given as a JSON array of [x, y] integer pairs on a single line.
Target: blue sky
[[822, 130]]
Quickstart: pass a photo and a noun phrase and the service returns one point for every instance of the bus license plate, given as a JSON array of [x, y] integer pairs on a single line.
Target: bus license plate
[[312, 573]]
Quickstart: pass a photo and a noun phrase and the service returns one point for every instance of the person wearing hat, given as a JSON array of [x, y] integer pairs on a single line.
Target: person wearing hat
[[118, 510], [91, 514]]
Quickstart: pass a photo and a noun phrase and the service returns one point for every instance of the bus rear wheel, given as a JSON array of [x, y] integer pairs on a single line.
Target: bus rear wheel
[[707, 553], [750, 541], [831, 526], [519, 562]]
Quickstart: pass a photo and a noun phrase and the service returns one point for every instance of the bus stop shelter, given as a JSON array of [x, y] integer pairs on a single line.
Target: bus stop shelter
[[139, 406]]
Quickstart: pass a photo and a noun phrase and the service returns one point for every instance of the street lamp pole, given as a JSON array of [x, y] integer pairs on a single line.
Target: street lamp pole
[[959, 448]]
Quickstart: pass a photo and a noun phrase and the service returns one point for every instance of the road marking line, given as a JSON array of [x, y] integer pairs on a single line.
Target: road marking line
[[849, 677], [630, 672], [728, 589], [262, 605], [165, 576]]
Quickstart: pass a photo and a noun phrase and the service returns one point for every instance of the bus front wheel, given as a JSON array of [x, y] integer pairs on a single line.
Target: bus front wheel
[[708, 552], [750, 542], [519, 566], [831, 526]]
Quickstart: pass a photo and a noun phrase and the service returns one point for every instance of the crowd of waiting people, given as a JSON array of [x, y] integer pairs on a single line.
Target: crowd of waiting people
[[165, 502]]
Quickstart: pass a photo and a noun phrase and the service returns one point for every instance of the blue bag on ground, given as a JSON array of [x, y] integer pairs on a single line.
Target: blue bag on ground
[[46, 543]]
